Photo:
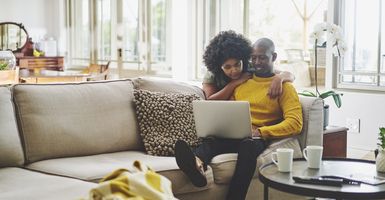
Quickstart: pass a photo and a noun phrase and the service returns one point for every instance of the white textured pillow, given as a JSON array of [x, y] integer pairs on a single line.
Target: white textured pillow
[[163, 118]]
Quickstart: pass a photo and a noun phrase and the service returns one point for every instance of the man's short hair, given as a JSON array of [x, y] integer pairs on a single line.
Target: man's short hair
[[265, 43]]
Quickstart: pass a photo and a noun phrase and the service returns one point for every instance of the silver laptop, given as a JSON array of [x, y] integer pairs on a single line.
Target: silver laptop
[[224, 119]]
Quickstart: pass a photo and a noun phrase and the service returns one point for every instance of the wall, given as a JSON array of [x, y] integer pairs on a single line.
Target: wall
[[41, 18], [367, 107]]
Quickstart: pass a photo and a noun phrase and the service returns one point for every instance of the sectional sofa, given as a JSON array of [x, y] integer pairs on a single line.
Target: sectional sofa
[[58, 140]]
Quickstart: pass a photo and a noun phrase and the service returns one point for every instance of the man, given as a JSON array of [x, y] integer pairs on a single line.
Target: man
[[277, 117], [271, 118]]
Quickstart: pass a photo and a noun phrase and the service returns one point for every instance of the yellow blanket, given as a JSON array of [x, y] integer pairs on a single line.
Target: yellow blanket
[[140, 183]]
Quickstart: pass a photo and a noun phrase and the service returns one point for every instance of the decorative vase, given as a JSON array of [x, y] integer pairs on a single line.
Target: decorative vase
[[380, 160], [7, 60]]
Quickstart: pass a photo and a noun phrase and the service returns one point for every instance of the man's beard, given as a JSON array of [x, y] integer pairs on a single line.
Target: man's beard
[[263, 70]]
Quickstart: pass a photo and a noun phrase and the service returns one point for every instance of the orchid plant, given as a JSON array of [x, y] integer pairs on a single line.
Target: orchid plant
[[318, 37]]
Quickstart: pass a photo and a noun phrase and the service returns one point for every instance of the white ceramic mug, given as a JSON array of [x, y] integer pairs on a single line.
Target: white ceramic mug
[[313, 155], [283, 158]]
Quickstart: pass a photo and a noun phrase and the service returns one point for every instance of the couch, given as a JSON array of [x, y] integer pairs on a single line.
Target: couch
[[58, 140]]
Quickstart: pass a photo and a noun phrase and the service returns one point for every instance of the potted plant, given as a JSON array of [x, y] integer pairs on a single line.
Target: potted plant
[[336, 97], [380, 155], [338, 45]]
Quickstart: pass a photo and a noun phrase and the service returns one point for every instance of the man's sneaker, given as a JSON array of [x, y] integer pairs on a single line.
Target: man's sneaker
[[186, 161]]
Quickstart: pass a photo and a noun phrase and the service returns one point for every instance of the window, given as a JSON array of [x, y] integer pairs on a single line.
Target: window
[[131, 31], [103, 29], [159, 38], [362, 66], [79, 32], [158, 31], [287, 23], [99, 29]]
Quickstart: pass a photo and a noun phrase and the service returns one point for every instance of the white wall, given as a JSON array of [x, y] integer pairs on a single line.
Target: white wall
[[369, 108], [41, 18]]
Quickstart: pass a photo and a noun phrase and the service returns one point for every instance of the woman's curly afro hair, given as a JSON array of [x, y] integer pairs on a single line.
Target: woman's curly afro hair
[[226, 45]]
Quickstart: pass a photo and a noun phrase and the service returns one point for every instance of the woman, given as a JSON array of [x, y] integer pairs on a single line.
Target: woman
[[227, 61]]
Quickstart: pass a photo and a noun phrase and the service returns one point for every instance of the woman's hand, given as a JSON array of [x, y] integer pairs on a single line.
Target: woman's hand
[[243, 78], [275, 89]]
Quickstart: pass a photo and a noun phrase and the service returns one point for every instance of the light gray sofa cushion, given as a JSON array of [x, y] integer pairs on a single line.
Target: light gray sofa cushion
[[21, 184], [77, 119], [93, 168], [312, 112], [167, 86], [11, 152]]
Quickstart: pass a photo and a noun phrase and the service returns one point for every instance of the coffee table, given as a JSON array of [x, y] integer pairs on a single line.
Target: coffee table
[[270, 177]]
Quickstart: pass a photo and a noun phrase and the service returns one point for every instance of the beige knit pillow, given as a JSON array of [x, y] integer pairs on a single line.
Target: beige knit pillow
[[164, 118]]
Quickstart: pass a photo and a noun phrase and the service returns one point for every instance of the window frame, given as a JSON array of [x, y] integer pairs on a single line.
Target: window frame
[[145, 65], [338, 64]]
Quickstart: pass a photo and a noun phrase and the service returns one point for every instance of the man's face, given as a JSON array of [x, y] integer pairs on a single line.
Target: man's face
[[262, 61]]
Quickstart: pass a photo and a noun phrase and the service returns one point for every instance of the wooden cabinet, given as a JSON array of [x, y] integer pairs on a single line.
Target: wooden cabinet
[[31, 62], [334, 141]]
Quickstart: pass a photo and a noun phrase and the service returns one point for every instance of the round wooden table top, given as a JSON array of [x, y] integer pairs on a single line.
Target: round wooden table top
[[271, 177]]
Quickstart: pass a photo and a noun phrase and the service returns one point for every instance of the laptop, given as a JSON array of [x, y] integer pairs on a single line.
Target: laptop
[[223, 119]]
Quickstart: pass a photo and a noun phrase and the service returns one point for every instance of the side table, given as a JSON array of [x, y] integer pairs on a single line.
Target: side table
[[334, 141]]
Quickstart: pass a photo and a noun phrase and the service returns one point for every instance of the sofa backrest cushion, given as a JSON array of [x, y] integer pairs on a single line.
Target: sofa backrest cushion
[[11, 152], [76, 119], [167, 86]]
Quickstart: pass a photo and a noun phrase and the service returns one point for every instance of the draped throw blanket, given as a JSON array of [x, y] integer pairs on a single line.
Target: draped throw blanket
[[139, 183]]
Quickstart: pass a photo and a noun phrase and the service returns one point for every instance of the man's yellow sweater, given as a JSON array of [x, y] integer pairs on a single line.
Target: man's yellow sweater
[[277, 117]]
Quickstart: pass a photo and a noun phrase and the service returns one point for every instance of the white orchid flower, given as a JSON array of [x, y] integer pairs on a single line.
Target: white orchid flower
[[320, 27], [334, 29], [335, 51], [313, 37], [335, 37], [319, 36], [342, 47]]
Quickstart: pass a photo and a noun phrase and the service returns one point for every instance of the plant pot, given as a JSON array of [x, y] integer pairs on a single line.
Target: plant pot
[[326, 116], [380, 160], [9, 76]]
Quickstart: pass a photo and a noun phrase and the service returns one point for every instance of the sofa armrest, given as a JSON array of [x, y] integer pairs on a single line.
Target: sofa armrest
[[312, 130]]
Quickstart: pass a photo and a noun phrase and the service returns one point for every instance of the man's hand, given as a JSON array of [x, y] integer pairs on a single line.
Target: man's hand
[[275, 89]]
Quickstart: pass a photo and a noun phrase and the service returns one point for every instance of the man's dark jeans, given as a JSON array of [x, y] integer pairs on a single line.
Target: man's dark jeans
[[248, 151]]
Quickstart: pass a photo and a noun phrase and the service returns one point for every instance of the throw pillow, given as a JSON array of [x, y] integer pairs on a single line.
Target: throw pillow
[[163, 118]]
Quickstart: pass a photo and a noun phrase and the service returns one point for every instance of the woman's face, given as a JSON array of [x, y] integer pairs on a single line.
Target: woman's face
[[232, 68]]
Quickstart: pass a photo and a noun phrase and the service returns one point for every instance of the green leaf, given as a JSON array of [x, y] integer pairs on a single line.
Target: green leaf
[[382, 129], [307, 93], [381, 137], [3, 66], [327, 94], [336, 97], [337, 100]]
